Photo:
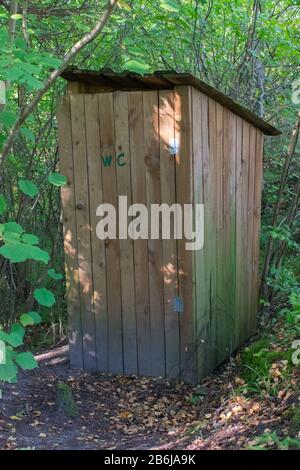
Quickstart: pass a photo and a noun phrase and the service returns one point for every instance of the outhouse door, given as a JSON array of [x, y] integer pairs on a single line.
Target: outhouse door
[[130, 301]]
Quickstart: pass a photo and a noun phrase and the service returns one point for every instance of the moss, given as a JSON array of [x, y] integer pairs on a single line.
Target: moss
[[294, 426], [256, 361], [65, 400]]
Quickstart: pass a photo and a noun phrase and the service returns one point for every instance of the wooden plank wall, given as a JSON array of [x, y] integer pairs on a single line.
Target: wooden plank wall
[[121, 292], [227, 170], [169, 116]]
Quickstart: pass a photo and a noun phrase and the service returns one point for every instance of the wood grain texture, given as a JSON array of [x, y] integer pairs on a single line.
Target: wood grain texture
[[124, 188], [112, 246], [70, 233], [155, 252], [96, 198], [81, 184], [141, 260], [169, 122], [184, 195]]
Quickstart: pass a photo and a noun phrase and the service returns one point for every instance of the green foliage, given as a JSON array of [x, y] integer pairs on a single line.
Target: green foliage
[[294, 416], [256, 363], [271, 440], [30, 318], [19, 246], [170, 5], [54, 275], [136, 66], [44, 297], [28, 187], [3, 205], [26, 360], [57, 180], [65, 400]]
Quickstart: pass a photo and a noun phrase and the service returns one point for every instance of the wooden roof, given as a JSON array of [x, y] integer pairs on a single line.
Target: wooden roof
[[164, 81]]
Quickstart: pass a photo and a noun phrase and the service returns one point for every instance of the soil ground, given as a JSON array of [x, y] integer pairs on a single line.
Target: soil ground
[[117, 412]]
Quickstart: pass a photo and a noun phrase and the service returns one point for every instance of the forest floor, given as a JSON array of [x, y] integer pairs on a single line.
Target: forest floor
[[126, 412]]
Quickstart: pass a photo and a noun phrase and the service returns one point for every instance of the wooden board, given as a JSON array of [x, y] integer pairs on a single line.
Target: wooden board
[[251, 196], [212, 125], [238, 227], [168, 130], [141, 261], [97, 245], [199, 288], [123, 169], [81, 184], [155, 252], [257, 219], [112, 251], [70, 233], [184, 195], [244, 231], [220, 311]]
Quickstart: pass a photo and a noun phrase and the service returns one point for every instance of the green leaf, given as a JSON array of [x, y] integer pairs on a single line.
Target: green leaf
[[11, 237], [18, 330], [29, 68], [15, 337], [8, 372], [16, 16], [28, 187], [57, 179], [27, 133], [3, 205], [170, 5], [123, 5], [14, 253], [30, 239], [7, 118], [137, 66], [30, 318], [13, 227], [36, 317], [26, 361], [52, 273], [44, 297], [36, 253], [26, 320]]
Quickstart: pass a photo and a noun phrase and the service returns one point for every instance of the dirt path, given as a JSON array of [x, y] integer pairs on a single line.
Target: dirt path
[[134, 413], [113, 412]]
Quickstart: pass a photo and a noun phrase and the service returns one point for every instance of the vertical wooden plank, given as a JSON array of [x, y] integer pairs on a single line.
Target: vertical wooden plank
[[251, 198], [169, 128], [70, 233], [123, 169], [227, 313], [156, 293], [244, 230], [220, 300], [97, 245], [184, 188], [257, 219], [212, 124], [251, 182], [232, 123], [83, 230], [209, 226], [239, 250], [138, 177], [112, 251], [200, 296]]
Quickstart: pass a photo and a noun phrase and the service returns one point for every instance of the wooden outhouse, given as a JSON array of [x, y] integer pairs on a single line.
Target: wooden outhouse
[[150, 306]]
